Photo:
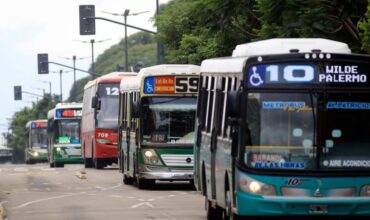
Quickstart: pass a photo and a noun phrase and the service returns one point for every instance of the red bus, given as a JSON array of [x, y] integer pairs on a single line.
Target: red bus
[[99, 124]]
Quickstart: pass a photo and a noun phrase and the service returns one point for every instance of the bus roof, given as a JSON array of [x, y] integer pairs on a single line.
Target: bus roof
[[285, 45], [114, 77], [65, 105], [236, 62], [28, 124], [133, 83]]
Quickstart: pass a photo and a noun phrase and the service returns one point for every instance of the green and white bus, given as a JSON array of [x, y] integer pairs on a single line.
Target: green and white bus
[[36, 142], [283, 129], [157, 121], [64, 146]]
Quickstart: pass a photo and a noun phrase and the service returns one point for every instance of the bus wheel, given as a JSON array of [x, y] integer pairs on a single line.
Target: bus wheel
[[88, 162], [213, 213], [52, 165], [144, 183], [228, 213], [59, 165], [127, 180], [98, 163]]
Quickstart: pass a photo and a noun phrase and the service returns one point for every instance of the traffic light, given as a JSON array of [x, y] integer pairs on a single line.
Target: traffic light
[[43, 63], [17, 92], [87, 23]]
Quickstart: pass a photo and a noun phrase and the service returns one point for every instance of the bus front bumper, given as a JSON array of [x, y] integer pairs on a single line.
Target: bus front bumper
[[147, 172], [251, 205]]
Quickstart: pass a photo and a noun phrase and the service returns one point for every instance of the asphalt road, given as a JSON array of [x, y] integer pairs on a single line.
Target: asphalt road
[[39, 192]]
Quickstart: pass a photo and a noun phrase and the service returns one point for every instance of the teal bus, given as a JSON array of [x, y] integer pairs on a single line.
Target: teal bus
[[36, 142], [283, 130], [156, 126], [64, 146]]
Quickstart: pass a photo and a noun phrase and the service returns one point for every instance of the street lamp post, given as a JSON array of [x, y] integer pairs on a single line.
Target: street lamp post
[[125, 14], [49, 82], [92, 41], [61, 87]]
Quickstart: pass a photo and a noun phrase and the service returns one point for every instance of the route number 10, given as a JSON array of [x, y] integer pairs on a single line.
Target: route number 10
[[306, 73]]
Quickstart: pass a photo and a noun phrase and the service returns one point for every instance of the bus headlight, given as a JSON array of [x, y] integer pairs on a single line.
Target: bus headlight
[[58, 149], [35, 154], [365, 190], [150, 157], [250, 185], [103, 141]]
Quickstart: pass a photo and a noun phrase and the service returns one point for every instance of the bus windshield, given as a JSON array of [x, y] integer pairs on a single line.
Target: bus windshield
[[168, 120], [68, 131], [281, 129], [107, 116], [346, 138], [39, 137]]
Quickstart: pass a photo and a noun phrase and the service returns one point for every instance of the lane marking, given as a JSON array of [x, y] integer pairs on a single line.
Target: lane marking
[[141, 204], [20, 169], [115, 196], [47, 199]]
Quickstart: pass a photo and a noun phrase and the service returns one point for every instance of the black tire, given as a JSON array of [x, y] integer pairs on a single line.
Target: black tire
[[127, 180], [228, 213], [59, 165], [88, 162], [213, 213], [98, 163], [145, 184], [52, 165]]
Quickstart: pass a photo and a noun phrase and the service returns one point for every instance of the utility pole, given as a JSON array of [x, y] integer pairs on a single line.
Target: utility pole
[[125, 14], [158, 44], [61, 87]]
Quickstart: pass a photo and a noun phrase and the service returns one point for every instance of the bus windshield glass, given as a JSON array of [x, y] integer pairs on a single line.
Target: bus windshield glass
[[68, 131], [168, 120], [346, 138], [281, 127], [39, 137], [107, 116]]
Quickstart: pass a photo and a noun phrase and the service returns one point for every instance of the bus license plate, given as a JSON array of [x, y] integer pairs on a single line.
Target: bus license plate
[[318, 209]]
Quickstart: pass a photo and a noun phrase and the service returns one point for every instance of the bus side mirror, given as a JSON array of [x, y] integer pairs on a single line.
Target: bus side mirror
[[95, 103], [135, 109]]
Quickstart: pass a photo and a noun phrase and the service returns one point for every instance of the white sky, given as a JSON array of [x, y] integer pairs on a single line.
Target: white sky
[[29, 27]]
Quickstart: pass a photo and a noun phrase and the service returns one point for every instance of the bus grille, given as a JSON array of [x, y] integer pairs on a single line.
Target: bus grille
[[184, 160]]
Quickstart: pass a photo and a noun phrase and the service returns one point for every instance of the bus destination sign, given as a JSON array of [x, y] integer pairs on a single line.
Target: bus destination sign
[[68, 113], [171, 84], [309, 74], [38, 124]]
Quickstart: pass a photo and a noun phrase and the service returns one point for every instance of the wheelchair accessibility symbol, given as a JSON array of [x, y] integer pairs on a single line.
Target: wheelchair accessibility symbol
[[149, 87], [255, 78]]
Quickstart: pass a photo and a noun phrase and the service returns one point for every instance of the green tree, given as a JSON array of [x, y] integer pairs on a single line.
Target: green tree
[[141, 49], [364, 26], [336, 20], [15, 138]]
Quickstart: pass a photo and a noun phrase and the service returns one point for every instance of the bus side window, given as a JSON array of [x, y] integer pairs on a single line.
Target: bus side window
[[229, 87], [203, 102], [221, 107], [210, 106]]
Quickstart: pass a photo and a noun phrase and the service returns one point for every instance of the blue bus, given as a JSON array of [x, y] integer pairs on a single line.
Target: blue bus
[[283, 130]]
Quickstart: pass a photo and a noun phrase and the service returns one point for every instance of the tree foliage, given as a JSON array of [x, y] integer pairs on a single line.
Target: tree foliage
[[193, 30], [141, 49], [15, 136]]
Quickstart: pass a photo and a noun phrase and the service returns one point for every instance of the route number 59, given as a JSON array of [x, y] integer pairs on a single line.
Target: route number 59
[[187, 84]]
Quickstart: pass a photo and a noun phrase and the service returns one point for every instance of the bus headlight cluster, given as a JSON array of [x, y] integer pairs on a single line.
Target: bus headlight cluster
[[35, 154], [103, 141], [150, 157], [58, 149], [365, 190], [253, 186]]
